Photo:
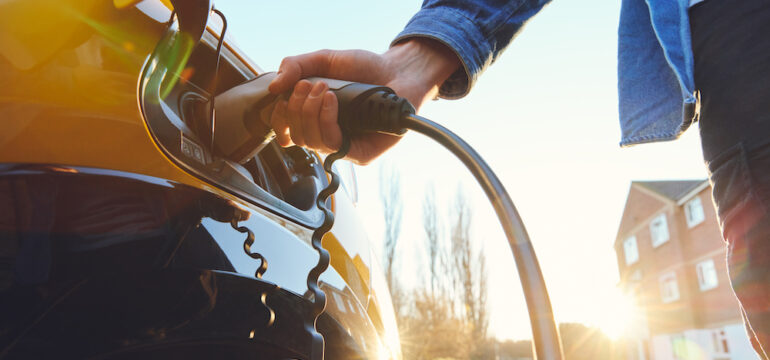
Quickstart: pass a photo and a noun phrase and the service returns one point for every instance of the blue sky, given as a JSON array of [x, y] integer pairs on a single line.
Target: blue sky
[[544, 116]]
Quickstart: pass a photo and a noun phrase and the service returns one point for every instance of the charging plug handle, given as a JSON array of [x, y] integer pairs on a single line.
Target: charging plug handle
[[368, 108], [243, 113]]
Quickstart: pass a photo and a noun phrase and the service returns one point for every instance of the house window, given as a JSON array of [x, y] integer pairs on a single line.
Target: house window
[[669, 290], [693, 210], [630, 250], [659, 230], [707, 275], [719, 340]]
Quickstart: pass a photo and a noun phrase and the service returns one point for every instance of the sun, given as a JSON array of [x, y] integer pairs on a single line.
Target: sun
[[618, 316]]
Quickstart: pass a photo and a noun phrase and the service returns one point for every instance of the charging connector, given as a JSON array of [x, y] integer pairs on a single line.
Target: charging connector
[[243, 113]]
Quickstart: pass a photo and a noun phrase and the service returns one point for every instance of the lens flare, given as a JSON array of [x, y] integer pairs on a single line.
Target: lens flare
[[619, 315]]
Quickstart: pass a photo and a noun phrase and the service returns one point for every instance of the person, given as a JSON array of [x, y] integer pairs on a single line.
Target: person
[[679, 62]]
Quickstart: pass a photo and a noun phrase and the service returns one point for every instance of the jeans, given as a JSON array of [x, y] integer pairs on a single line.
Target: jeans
[[731, 47]]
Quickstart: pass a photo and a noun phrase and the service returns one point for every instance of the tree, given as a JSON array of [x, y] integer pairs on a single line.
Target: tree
[[480, 318], [429, 332], [447, 318], [470, 284], [390, 194], [436, 253]]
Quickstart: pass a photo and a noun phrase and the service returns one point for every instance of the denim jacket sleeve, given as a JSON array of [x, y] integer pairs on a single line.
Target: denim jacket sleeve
[[477, 31]]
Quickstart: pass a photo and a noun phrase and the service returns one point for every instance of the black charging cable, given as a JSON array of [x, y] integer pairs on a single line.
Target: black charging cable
[[380, 110], [545, 334]]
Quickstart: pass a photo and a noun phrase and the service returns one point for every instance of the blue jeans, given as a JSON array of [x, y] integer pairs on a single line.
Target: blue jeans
[[731, 46]]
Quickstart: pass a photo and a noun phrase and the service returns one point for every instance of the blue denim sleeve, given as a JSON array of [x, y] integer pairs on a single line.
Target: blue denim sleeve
[[477, 31]]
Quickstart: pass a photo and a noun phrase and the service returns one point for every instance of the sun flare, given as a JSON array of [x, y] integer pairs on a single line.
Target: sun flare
[[619, 315]]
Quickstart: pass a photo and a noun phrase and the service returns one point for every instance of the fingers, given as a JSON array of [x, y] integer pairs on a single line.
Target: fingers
[[308, 118], [354, 65], [297, 67], [331, 135], [294, 111], [311, 110]]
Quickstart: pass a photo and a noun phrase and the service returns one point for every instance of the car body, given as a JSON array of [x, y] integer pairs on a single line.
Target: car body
[[118, 234]]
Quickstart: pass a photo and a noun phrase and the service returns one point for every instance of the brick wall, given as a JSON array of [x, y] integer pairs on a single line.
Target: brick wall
[[685, 248]]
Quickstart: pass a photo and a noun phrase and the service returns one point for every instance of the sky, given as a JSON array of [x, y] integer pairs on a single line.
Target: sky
[[544, 117]]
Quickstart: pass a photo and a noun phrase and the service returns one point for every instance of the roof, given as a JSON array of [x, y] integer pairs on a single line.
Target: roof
[[647, 197], [674, 189]]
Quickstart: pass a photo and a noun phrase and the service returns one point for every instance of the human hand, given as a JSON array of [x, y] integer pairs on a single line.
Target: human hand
[[414, 69]]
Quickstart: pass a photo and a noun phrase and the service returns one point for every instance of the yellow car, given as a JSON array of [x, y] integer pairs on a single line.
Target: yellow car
[[122, 231]]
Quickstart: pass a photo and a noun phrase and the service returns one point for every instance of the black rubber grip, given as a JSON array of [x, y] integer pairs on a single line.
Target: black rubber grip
[[369, 108], [381, 111]]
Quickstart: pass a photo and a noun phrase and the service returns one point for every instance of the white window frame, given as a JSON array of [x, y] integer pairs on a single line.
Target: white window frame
[[707, 274], [665, 295], [631, 256], [659, 237], [694, 217]]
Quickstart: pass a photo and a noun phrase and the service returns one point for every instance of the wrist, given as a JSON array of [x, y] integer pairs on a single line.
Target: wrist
[[425, 61]]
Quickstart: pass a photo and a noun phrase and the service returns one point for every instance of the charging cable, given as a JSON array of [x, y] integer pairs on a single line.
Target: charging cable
[[378, 109]]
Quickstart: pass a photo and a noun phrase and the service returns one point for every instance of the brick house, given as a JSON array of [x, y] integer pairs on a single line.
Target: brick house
[[671, 259]]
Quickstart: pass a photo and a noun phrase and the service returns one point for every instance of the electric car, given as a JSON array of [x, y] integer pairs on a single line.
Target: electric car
[[123, 233]]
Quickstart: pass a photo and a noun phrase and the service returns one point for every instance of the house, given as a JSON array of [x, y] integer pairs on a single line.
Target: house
[[671, 259]]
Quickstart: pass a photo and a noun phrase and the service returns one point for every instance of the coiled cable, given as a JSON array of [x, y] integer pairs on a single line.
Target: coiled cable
[[318, 295]]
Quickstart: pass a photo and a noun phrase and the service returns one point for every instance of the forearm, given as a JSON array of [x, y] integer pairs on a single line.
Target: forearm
[[477, 32]]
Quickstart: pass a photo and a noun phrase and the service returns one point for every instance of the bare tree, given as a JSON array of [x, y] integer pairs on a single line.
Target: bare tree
[[461, 254], [436, 253], [402, 301], [448, 318], [390, 194], [428, 332], [480, 320], [469, 270]]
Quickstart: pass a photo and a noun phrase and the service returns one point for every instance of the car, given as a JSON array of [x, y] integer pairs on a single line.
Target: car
[[123, 230]]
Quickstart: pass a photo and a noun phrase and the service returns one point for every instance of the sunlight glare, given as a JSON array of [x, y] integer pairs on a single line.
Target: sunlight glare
[[619, 315]]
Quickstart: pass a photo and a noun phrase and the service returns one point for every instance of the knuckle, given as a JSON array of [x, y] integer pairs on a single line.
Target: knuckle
[[309, 111], [321, 55], [287, 61]]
